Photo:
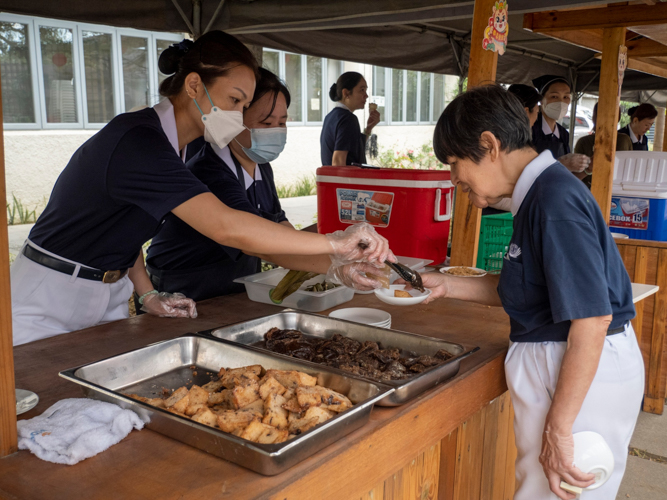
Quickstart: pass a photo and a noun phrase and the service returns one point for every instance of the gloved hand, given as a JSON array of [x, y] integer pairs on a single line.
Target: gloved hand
[[170, 305], [575, 162], [358, 275], [359, 242]]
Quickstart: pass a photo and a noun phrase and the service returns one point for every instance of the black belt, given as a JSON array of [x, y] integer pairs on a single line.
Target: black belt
[[67, 268], [620, 329]]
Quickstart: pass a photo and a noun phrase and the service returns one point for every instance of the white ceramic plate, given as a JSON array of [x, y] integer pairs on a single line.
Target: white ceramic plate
[[482, 272], [364, 315], [620, 236], [25, 401], [387, 296]]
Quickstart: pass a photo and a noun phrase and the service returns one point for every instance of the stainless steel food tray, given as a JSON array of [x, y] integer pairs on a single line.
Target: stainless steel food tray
[[252, 332], [168, 364]]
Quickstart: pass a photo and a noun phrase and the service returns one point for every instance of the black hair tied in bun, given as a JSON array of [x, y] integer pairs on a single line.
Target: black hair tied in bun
[[333, 93], [632, 110], [172, 55]]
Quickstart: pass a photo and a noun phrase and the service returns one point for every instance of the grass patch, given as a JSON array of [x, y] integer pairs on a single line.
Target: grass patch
[[305, 186], [18, 213]]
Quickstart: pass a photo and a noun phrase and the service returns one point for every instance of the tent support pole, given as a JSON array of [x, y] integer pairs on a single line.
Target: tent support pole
[[215, 16], [184, 17], [8, 437], [607, 119], [481, 69], [573, 113], [664, 139]]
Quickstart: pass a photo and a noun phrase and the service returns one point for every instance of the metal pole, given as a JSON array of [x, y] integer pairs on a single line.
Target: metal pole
[[196, 18], [573, 114]]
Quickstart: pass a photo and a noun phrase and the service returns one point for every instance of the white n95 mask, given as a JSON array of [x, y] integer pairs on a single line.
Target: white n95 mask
[[220, 126], [266, 144], [556, 110]]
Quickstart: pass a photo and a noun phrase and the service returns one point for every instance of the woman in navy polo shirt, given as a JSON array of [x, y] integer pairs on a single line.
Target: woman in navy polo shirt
[[83, 256], [573, 364], [642, 118], [182, 260], [341, 140]]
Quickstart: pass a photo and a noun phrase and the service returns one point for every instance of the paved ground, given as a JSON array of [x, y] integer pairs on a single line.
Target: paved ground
[[644, 479]]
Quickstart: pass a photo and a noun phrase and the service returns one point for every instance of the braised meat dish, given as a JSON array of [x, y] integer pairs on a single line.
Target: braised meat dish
[[367, 359]]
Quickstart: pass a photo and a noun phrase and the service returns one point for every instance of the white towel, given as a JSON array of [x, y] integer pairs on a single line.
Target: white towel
[[75, 429]]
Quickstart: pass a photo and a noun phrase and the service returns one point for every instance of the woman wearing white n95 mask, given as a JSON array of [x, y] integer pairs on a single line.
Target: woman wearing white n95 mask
[[83, 256], [547, 132]]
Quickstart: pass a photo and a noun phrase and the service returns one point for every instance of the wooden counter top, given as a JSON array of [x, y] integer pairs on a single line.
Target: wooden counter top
[[149, 465]]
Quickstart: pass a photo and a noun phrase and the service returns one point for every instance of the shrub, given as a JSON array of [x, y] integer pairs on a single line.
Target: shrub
[[420, 158]]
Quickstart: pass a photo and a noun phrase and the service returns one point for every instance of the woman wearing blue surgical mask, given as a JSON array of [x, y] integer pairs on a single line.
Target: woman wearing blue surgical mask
[[182, 260], [84, 255]]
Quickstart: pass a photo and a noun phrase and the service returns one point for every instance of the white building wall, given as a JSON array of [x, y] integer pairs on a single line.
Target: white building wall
[[34, 160]]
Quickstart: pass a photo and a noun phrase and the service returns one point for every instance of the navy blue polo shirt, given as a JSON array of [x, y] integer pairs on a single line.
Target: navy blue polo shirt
[[179, 247], [341, 132], [562, 262], [114, 193], [544, 139]]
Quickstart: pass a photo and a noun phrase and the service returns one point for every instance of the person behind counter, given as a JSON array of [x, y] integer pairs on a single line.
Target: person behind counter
[[548, 134], [642, 118], [341, 140], [586, 146], [180, 259], [564, 287], [83, 257]]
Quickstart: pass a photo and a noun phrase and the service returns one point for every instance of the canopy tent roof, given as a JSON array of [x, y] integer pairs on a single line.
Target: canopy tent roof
[[424, 35]]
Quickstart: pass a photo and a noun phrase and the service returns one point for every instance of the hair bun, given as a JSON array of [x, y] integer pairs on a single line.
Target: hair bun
[[172, 55], [333, 92], [632, 110]]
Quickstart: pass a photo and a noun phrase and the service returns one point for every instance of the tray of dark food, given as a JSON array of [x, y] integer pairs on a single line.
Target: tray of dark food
[[254, 408], [408, 362]]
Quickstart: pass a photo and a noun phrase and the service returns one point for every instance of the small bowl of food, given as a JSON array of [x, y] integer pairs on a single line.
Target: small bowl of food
[[463, 271], [397, 295]]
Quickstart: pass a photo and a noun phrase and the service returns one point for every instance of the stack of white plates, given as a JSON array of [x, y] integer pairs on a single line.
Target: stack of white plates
[[365, 315]]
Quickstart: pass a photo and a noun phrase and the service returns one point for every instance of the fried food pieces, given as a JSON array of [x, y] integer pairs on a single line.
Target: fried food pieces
[[268, 410], [402, 293]]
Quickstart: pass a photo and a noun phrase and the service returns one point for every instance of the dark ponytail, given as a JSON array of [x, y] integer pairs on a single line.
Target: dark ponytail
[[211, 56], [642, 112], [345, 81], [528, 96]]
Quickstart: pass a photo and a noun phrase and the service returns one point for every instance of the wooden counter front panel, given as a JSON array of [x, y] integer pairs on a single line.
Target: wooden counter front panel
[[646, 262]]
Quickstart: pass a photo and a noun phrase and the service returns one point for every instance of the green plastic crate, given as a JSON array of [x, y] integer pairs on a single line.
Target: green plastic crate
[[494, 238]]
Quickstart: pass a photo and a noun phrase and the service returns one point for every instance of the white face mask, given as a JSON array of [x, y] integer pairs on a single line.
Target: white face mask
[[220, 127], [556, 110]]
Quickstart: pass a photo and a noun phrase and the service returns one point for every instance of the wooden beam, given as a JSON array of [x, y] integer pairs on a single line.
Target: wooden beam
[[658, 135], [605, 134], [605, 17], [481, 69], [645, 65], [645, 47], [588, 39], [8, 437]]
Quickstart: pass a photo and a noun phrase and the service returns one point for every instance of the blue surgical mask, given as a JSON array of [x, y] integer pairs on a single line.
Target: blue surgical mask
[[266, 144]]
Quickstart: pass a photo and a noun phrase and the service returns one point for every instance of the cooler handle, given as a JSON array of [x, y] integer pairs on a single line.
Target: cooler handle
[[448, 212]]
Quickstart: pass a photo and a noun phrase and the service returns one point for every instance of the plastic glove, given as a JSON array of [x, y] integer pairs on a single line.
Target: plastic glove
[[356, 275], [170, 305], [575, 162], [359, 242]]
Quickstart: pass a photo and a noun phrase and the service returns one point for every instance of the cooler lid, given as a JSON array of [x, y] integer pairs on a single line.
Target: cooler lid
[[384, 173]]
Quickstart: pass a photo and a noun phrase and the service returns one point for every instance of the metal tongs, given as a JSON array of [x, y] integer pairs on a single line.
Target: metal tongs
[[404, 272], [407, 274]]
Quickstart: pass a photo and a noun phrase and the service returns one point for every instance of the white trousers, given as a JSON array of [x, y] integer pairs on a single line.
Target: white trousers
[[610, 408], [47, 302]]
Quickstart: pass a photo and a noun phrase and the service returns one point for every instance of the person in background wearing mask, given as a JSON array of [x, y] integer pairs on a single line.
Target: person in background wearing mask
[[586, 146], [548, 134], [84, 255], [182, 260], [642, 118], [341, 140]]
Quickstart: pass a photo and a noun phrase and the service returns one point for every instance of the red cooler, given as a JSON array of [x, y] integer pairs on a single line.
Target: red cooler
[[411, 208]]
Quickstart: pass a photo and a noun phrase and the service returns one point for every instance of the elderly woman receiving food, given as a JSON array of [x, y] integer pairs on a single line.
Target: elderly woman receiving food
[[574, 363]]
